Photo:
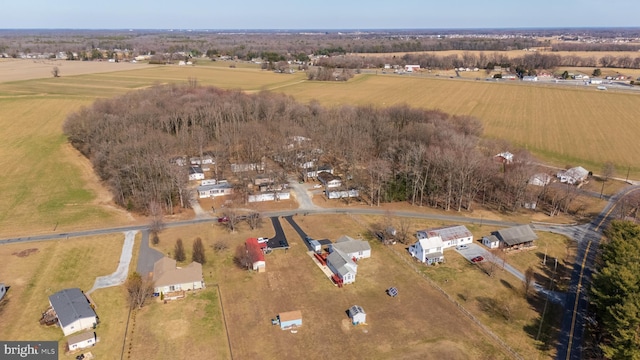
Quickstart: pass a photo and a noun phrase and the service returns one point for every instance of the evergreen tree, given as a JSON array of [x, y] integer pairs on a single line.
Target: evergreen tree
[[178, 251]]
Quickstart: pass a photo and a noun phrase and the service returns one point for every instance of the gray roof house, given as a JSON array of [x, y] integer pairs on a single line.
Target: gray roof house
[[342, 265], [516, 237], [358, 249], [73, 310]]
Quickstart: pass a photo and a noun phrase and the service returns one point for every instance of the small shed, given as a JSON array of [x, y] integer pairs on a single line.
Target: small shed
[[290, 319], [491, 242], [81, 341], [357, 315], [3, 290]]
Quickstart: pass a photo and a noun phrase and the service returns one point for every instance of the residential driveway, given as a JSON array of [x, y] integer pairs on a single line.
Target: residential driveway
[[303, 196], [147, 256], [280, 240], [299, 230], [474, 250], [120, 275]]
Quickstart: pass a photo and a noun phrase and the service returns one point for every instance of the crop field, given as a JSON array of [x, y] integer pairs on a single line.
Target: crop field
[[35, 270]]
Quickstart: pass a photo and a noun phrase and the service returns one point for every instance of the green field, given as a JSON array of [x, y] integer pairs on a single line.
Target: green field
[[47, 186]]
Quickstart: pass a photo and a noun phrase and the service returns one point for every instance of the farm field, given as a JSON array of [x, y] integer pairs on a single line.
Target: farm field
[[35, 270]]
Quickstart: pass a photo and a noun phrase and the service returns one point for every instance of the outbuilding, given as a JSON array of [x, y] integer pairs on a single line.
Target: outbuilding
[[81, 341], [516, 237], [290, 319], [357, 315], [491, 242], [3, 290]]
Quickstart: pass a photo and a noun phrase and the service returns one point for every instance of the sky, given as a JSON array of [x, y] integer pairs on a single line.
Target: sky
[[306, 14]]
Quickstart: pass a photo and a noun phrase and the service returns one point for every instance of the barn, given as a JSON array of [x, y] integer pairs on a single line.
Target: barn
[[517, 237], [290, 319], [357, 315]]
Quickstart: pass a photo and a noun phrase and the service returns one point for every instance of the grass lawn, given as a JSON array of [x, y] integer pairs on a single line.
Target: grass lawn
[[33, 271]]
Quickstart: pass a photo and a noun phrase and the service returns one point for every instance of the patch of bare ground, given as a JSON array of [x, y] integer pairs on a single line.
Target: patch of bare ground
[[25, 252]]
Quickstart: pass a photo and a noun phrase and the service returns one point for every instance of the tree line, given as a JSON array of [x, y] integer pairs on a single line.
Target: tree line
[[615, 294], [399, 153]]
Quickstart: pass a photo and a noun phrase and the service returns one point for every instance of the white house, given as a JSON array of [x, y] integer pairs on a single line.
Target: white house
[[329, 180], [595, 81], [540, 179], [81, 341], [213, 190], [573, 175], [169, 278], [354, 249], [357, 315], [196, 173], [73, 310], [313, 172], [504, 157], [451, 235], [529, 78], [491, 241], [343, 266], [428, 250]]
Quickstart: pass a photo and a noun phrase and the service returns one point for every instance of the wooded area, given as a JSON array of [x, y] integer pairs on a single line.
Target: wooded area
[[425, 157], [615, 293]]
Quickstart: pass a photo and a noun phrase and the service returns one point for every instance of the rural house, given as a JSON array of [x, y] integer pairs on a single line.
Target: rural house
[[428, 250], [290, 319], [73, 311], [213, 190], [504, 158], [255, 252], [168, 278], [357, 315], [411, 68], [540, 179], [343, 266], [196, 173], [329, 180], [313, 172], [81, 341], [354, 249], [451, 235], [573, 176], [517, 237]]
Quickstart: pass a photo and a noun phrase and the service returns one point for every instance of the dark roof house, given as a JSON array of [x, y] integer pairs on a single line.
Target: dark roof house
[[73, 310], [516, 237]]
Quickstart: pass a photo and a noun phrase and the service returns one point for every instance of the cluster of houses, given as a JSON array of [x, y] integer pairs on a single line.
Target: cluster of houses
[[431, 243]]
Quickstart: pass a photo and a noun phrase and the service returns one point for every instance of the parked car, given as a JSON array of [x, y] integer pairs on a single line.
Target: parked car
[[262, 240], [477, 259], [462, 247], [223, 219]]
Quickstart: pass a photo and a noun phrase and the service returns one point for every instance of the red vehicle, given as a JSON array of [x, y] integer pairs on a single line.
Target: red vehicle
[[477, 259], [223, 219]]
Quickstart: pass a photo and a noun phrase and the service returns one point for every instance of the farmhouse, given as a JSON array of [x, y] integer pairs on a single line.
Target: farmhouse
[[574, 175], [517, 237], [290, 319], [540, 179], [355, 249], [450, 235], [491, 242], [343, 266], [168, 278], [196, 173], [329, 180], [73, 310], [255, 252], [81, 341], [213, 190], [428, 250], [357, 315]]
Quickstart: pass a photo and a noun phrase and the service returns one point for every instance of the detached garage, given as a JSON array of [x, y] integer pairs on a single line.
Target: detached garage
[[81, 341], [290, 319]]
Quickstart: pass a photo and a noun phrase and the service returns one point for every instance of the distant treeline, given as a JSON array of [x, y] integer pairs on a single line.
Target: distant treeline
[[424, 157], [88, 44]]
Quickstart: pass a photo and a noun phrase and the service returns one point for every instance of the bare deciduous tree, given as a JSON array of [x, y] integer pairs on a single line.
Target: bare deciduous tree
[[178, 251], [528, 280], [198, 254], [139, 288], [55, 72]]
